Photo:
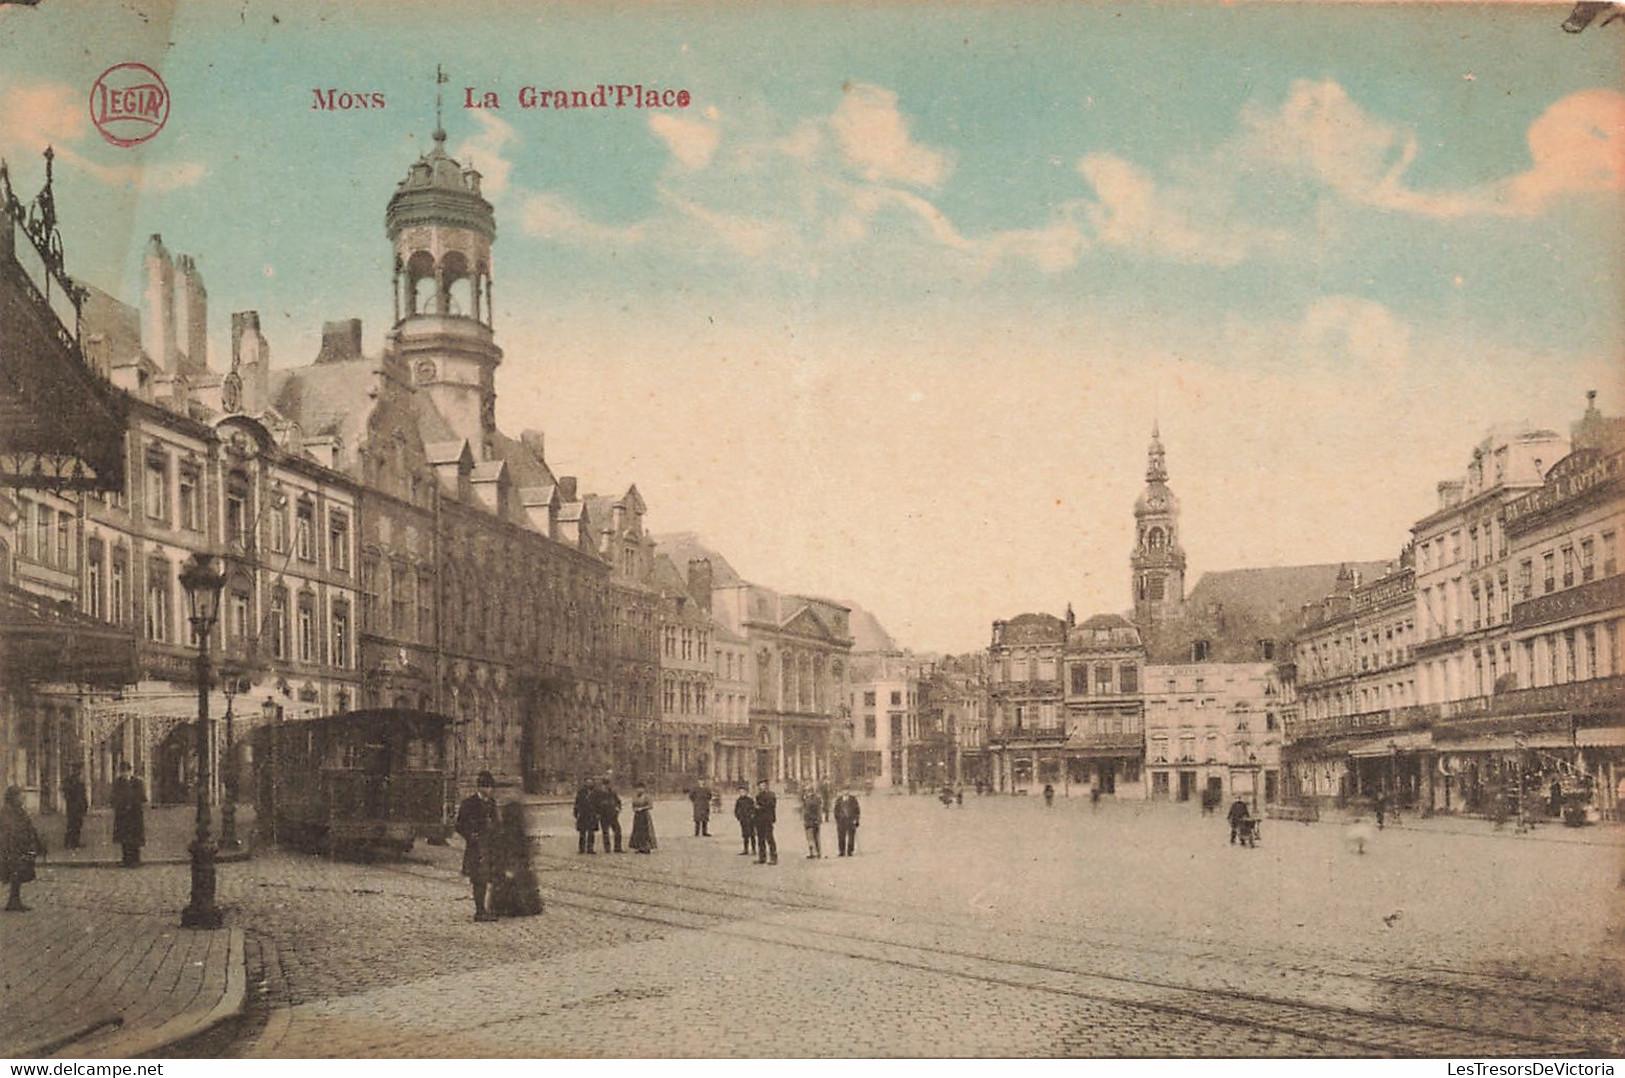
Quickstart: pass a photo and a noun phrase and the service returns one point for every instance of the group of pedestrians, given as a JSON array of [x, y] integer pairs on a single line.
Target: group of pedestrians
[[597, 813]]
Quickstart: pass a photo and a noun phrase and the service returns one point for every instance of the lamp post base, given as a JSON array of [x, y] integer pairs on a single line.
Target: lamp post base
[[202, 912]]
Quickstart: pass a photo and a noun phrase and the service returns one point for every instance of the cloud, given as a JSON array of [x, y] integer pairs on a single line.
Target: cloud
[[1577, 146], [554, 217], [1132, 213], [874, 139], [691, 141], [36, 115], [485, 151]]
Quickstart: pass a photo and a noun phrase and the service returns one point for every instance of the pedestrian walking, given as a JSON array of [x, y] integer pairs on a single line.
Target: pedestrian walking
[[1049, 795], [643, 822], [1358, 835], [514, 892], [700, 797], [476, 823], [847, 812], [76, 802], [1094, 798], [959, 796], [812, 815], [586, 814], [745, 813], [20, 845], [129, 817], [767, 813], [607, 804], [1238, 813], [1380, 805], [826, 795]]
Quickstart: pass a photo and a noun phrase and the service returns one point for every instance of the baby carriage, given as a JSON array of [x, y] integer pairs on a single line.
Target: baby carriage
[[1247, 831]]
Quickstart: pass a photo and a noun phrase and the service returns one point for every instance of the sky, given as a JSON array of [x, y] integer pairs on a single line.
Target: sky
[[887, 313]]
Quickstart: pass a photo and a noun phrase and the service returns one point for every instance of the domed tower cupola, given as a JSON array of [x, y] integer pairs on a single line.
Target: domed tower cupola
[[442, 230], [1158, 560]]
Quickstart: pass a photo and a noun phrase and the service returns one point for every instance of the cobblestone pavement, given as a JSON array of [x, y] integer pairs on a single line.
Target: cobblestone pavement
[[997, 929]]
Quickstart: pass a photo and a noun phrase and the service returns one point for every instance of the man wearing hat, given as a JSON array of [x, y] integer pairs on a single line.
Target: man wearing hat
[[476, 822]]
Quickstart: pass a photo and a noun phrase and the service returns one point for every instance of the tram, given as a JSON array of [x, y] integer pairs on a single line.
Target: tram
[[362, 782]]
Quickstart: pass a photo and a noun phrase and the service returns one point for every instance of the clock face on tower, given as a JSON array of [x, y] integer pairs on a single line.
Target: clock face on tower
[[1156, 501]]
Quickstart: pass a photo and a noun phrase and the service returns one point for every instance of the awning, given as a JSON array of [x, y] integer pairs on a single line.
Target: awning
[[1413, 741], [42, 641], [61, 424], [1601, 737]]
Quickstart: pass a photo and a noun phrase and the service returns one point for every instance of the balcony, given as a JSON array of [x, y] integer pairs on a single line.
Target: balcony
[[1367, 723], [1027, 734]]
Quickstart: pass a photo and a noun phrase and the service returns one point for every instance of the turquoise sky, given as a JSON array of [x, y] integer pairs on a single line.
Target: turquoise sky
[[912, 281]]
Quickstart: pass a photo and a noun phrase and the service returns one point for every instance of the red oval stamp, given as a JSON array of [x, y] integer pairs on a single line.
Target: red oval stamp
[[129, 104]]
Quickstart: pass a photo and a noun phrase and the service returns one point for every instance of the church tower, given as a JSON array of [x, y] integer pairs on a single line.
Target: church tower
[[1159, 560], [442, 230]]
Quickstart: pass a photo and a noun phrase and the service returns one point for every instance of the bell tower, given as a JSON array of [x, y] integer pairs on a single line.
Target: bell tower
[[442, 229], [1158, 560]]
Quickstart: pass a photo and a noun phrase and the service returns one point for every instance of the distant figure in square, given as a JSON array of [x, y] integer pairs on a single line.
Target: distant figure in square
[[1380, 805], [745, 813], [826, 794], [76, 802], [20, 844], [1238, 813], [513, 886], [812, 815], [477, 823], [847, 812], [586, 814], [1049, 795], [129, 817], [1358, 835], [700, 797], [767, 813], [607, 803], [643, 822]]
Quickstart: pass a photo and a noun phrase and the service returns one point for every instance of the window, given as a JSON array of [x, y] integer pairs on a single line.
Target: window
[[869, 699], [1080, 679], [1568, 567], [1591, 653], [95, 601], [1549, 562], [369, 592], [341, 633], [64, 541], [1526, 579], [279, 524], [304, 531], [1103, 678], [338, 542], [1187, 748], [118, 599], [401, 606], [237, 511], [158, 600], [1609, 565], [44, 515], [307, 628], [425, 630], [1159, 751], [897, 725], [1270, 721], [668, 696], [702, 642], [157, 485], [896, 699], [187, 494], [238, 623], [1266, 649], [1588, 553], [1128, 678], [279, 623], [688, 645], [1570, 658], [869, 727], [1199, 651]]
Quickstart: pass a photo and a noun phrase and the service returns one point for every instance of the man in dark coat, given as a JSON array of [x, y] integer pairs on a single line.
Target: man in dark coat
[[129, 818], [477, 823], [586, 811], [700, 796], [745, 813], [846, 823], [76, 802], [608, 806], [1238, 813], [767, 813]]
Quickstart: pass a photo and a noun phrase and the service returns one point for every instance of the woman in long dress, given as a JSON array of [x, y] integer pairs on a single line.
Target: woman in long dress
[[643, 822], [20, 844], [513, 888]]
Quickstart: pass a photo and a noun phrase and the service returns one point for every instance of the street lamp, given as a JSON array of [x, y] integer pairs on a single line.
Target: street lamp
[[268, 714], [203, 582], [1252, 766], [1393, 770]]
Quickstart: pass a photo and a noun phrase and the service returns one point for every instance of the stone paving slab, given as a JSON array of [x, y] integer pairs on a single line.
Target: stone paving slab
[[94, 983]]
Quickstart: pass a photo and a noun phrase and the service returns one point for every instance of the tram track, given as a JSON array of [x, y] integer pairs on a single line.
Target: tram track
[[1383, 1032]]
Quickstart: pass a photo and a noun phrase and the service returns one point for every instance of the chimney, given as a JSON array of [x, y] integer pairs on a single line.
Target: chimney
[[532, 440], [1450, 493], [251, 359], [700, 582], [191, 326], [159, 327], [341, 340], [567, 488]]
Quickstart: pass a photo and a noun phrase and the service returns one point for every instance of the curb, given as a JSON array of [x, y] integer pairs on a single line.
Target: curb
[[244, 854], [182, 1026]]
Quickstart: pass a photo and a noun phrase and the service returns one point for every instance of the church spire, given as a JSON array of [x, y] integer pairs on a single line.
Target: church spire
[[1156, 468]]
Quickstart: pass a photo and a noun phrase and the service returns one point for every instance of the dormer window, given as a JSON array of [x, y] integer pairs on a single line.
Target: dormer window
[[1199, 651]]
